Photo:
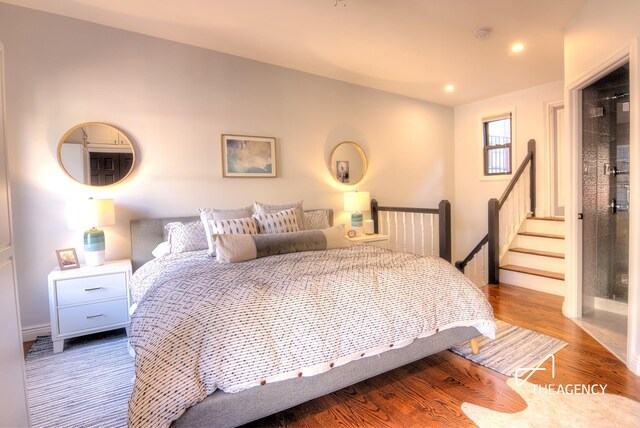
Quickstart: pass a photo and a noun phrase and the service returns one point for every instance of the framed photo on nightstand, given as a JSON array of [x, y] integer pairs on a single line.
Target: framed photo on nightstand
[[67, 258]]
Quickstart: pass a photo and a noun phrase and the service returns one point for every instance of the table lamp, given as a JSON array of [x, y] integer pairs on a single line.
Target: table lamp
[[100, 212], [355, 203]]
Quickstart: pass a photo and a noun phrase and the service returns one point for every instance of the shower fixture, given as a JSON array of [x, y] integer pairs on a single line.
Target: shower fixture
[[613, 170], [619, 95], [615, 207]]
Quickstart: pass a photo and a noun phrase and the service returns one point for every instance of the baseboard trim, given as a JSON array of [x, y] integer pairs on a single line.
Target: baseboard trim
[[32, 332], [633, 363]]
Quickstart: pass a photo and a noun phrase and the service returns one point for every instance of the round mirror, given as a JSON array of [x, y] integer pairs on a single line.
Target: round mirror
[[96, 154], [348, 163]]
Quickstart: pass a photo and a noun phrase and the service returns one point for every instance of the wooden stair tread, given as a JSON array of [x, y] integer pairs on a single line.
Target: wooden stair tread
[[537, 252], [541, 235], [536, 272], [561, 219]]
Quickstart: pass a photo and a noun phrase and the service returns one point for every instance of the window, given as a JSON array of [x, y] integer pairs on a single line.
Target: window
[[497, 145]]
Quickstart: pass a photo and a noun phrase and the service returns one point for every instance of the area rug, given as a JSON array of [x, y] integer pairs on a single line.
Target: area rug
[[87, 385], [513, 348], [546, 410]]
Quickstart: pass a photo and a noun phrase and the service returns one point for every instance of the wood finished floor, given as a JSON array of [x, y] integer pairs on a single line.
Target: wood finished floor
[[430, 391]]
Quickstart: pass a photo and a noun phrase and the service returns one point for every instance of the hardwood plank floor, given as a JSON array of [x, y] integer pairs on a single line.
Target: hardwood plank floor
[[26, 346], [429, 392]]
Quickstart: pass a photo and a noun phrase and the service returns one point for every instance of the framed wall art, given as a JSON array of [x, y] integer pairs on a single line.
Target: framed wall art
[[248, 156]]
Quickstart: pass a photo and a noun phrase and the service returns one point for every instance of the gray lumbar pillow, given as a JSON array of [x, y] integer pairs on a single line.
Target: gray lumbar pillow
[[240, 248]]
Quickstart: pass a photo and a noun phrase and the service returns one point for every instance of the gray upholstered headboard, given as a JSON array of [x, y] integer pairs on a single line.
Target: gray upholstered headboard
[[147, 233]]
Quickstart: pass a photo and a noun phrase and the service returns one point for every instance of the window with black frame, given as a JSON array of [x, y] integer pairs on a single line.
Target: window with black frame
[[497, 145]]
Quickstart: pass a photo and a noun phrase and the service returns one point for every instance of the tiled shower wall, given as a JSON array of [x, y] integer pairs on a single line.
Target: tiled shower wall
[[605, 140]]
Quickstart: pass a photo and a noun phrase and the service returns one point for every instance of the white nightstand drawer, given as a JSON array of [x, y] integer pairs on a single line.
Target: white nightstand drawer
[[91, 288], [94, 315]]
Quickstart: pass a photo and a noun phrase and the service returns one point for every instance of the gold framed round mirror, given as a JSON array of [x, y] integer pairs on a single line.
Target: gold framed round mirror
[[348, 163], [96, 154]]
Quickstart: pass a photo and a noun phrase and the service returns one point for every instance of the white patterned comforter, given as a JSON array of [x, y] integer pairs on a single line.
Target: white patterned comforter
[[200, 325]]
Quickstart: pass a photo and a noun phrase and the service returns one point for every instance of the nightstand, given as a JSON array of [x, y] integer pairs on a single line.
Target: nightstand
[[88, 300], [376, 239]]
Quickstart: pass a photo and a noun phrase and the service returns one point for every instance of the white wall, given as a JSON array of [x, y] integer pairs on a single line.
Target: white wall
[[596, 37], [174, 101], [472, 190]]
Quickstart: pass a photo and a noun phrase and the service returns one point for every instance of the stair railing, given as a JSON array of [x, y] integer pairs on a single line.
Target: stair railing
[[505, 216], [424, 231]]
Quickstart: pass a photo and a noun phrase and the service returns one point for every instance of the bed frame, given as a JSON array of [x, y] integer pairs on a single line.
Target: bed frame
[[404, 226]]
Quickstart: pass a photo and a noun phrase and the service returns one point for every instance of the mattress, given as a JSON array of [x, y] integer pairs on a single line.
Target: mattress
[[200, 325]]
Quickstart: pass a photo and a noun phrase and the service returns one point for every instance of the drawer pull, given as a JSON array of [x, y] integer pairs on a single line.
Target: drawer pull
[[94, 316], [93, 289]]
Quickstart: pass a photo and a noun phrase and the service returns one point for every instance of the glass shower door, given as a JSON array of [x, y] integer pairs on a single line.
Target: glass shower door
[[605, 204], [606, 190]]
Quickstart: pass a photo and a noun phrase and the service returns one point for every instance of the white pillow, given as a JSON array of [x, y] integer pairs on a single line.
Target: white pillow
[[161, 250], [280, 222], [261, 208], [207, 214]]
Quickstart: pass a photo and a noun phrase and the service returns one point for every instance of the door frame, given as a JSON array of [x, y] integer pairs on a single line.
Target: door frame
[[14, 408], [572, 306], [552, 178]]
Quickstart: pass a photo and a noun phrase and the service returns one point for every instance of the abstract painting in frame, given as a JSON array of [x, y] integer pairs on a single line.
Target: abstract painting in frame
[[248, 156]]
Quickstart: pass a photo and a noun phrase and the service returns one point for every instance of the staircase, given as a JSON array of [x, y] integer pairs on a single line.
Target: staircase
[[535, 258]]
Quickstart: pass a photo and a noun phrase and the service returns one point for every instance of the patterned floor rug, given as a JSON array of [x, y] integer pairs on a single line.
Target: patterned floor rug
[[546, 410], [87, 385], [513, 348]]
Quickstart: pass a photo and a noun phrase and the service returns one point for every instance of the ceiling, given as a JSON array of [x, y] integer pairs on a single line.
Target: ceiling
[[407, 47]]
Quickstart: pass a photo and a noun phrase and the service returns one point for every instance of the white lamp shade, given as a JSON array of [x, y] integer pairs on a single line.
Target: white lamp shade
[[356, 201], [100, 212]]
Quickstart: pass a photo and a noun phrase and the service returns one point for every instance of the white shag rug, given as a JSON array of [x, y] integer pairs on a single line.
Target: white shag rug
[[559, 410]]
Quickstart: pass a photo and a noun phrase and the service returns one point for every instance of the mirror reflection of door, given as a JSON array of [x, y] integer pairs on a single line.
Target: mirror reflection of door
[[109, 168]]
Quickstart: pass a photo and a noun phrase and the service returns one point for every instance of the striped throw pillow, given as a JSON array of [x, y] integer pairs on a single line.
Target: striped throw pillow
[[234, 226], [280, 222]]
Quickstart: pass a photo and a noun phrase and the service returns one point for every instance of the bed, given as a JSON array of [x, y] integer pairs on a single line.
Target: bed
[[312, 278]]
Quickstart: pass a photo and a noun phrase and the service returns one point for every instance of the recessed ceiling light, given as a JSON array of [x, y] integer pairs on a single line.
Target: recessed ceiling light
[[517, 48], [449, 88]]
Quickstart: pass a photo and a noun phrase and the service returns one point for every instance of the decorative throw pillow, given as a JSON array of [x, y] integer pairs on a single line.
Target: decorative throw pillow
[[317, 219], [240, 248], [234, 226], [261, 208], [280, 222], [207, 214], [183, 237]]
